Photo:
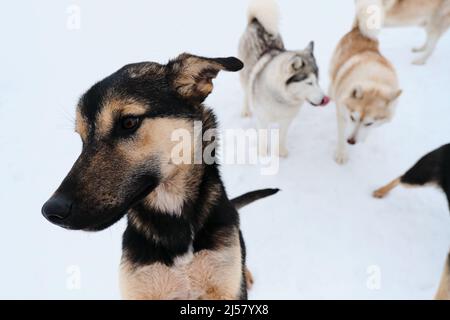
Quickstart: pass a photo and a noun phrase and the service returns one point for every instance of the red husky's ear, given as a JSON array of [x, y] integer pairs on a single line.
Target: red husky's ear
[[191, 76]]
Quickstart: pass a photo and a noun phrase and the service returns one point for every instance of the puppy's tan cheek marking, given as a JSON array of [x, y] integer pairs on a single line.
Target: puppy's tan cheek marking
[[154, 140], [154, 137]]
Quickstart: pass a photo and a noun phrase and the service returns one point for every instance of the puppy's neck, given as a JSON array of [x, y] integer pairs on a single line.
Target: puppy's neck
[[172, 193]]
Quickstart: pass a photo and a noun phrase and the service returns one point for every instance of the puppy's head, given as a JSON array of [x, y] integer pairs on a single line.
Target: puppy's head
[[125, 123], [296, 77], [368, 109]]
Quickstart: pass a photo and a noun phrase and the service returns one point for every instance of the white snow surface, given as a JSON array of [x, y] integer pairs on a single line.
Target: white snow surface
[[317, 239]]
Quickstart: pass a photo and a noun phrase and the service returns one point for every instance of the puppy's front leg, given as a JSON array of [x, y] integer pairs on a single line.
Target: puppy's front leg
[[341, 155], [444, 287]]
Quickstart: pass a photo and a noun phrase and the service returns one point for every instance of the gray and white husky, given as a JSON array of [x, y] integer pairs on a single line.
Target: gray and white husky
[[276, 81]]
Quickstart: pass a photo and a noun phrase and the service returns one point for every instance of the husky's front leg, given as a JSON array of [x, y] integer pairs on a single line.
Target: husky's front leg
[[341, 155], [263, 137], [246, 112], [284, 128]]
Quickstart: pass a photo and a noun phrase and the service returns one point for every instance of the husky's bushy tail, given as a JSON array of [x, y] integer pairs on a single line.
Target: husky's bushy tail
[[369, 17], [267, 13]]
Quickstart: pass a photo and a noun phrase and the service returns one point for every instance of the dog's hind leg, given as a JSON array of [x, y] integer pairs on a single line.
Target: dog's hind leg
[[341, 155], [426, 171], [424, 46], [384, 191], [421, 48], [435, 29], [444, 287], [432, 41]]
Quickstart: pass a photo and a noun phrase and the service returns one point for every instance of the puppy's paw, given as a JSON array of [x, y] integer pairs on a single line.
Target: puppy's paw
[[341, 157], [379, 194]]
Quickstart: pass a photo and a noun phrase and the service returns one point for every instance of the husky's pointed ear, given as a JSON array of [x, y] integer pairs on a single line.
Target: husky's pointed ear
[[358, 93], [191, 76], [310, 47], [395, 95]]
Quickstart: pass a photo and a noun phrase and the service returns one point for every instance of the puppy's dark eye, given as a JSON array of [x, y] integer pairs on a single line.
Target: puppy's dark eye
[[352, 118], [129, 123], [369, 124]]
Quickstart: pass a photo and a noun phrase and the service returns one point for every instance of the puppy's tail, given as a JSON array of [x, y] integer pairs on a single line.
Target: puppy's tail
[[253, 196], [370, 16], [267, 13]]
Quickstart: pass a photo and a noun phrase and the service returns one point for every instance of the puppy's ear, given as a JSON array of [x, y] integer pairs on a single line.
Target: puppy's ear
[[191, 76], [395, 95], [310, 48], [358, 93]]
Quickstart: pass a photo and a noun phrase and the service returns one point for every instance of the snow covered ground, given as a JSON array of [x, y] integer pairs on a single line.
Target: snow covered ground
[[323, 236]]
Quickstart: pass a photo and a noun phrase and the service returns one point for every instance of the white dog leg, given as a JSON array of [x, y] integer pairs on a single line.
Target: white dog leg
[[246, 108], [424, 46], [433, 37], [284, 128], [341, 155], [263, 138], [420, 49]]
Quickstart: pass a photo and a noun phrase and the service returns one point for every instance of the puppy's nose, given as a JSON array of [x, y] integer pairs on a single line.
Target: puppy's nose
[[351, 141], [57, 208], [325, 101]]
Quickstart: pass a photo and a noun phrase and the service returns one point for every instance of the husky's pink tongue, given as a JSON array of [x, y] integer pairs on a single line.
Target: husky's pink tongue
[[325, 101]]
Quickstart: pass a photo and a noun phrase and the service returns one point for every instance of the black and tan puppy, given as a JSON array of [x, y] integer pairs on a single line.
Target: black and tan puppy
[[183, 239], [433, 169]]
